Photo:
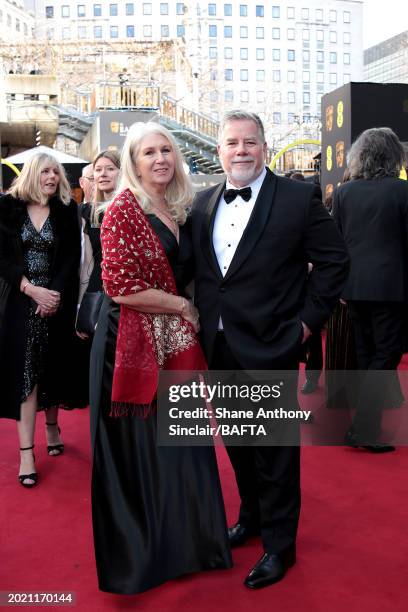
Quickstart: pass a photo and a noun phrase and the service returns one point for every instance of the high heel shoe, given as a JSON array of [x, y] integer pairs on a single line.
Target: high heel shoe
[[33, 476], [54, 447]]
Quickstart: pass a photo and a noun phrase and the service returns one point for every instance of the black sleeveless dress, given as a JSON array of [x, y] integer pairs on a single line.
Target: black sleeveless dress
[[158, 512]]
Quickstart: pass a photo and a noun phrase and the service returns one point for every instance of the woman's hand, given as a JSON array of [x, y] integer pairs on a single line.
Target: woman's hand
[[190, 313], [46, 299], [82, 335], [45, 312]]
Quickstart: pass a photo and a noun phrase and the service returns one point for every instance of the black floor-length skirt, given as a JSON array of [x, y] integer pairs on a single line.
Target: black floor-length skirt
[[157, 511]]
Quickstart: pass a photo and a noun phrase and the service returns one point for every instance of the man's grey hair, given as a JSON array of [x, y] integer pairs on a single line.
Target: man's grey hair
[[240, 115], [86, 168], [375, 154]]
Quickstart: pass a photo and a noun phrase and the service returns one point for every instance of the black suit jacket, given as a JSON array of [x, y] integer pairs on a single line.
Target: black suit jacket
[[372, 216], [267, 291]]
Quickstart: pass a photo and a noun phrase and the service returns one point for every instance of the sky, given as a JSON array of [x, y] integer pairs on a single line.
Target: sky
[[383, 19]]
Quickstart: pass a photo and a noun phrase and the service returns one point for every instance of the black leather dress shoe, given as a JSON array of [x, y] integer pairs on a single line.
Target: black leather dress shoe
[[310, 386], [380, 447], [270, 569], [238, 534]]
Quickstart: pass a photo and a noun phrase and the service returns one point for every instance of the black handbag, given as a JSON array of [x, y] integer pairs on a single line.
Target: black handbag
[[88, 312]]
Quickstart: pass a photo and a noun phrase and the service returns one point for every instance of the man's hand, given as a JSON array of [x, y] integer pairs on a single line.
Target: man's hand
[[306, 332]]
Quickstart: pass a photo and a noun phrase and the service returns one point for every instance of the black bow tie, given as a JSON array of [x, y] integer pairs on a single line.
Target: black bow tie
[[231, 194]]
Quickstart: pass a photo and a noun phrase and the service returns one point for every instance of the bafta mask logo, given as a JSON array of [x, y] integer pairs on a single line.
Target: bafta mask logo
[[340, 154], [329, 158], [329, 118], [114, 126], [340, 110]]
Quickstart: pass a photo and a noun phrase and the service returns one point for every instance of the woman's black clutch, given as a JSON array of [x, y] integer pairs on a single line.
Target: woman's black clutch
[[88, 312]]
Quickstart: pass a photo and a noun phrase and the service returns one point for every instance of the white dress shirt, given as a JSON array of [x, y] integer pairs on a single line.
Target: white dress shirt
[[230, 223]]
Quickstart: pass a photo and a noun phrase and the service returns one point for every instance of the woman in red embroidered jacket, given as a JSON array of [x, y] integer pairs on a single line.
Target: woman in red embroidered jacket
[[157, 511]]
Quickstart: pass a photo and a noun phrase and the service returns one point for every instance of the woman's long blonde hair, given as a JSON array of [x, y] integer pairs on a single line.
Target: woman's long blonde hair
[[99, 204], [179, 193], [27, 186]]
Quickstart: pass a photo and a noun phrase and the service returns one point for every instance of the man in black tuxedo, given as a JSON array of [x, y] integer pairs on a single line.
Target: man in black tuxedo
[[253, 237]]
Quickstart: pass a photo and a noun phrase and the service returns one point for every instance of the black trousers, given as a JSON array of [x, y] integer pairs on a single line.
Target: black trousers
[[268, 478], [378, 331], [314, 356]]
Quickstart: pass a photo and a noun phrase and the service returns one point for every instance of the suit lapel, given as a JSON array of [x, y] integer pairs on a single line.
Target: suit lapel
[[208, 226], [256, 223]]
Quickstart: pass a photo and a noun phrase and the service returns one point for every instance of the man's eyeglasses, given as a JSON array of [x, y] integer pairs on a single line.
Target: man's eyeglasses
[[89, 178]]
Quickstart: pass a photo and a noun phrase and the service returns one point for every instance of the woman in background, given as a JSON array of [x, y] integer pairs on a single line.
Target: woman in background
[[39, 262]]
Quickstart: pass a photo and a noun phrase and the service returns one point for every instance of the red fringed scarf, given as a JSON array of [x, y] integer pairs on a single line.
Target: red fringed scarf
[[134, 260]]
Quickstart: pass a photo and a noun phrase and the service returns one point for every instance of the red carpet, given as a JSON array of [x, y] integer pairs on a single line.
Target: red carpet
[[352, 545]]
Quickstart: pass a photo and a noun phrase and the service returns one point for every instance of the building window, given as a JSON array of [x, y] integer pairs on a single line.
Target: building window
[[319, 35], [81, 10], [277, 118], [290, 12], [306, 76], [212, 31], [276, 33], [243, 32], [346, 38], [114, 32], [260, 96], [129, 9], [333, 78], [291, 34], [213, 74], [180, 8], [64, 10], [243, 75], [291, 118], [66, 33], [260, 75], [227, 52], [97, 10], [49, 12], [333, 57], [333, 36], [260, 54], [180, 31], [212, 52], [291, 76], [227, 10], [243, 10], [147, 31], [276, 12], [214, 95], [212, 10], [319, 77], [346, 58], [306, 97], [320, 57], [305, 34], [113, 10], [291, 97], [147, 8], [306, 56], [305, 14], [164, 31], [82, 33], [227, 31], [130, 31], [243, 53], [97, 31], [276, 55], [49, 32], [244, 97], [228, 95], [346, 17], [319, 14], [260, 33], [164, 8], [228, 74], [276, 76], [346, 78], [259, 10], [333, 16]]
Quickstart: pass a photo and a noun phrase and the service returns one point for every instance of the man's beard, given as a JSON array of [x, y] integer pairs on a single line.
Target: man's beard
[[243, 174]]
